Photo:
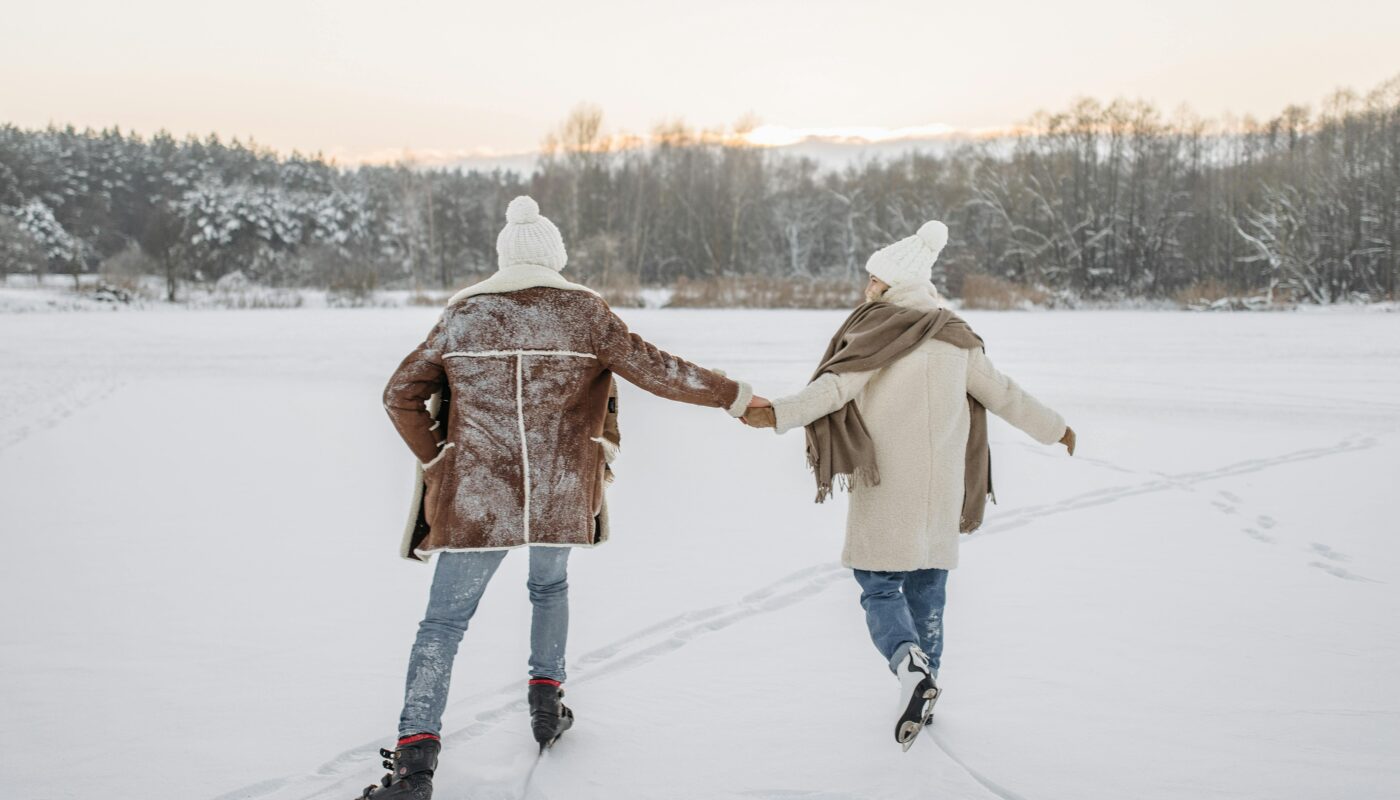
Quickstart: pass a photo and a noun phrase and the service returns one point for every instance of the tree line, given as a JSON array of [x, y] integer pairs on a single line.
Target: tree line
[[1098, 201]]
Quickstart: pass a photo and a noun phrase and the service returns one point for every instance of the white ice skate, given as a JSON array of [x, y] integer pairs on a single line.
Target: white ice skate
[[917, 694]]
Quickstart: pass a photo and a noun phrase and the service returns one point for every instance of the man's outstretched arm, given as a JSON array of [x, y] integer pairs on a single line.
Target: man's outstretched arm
[[668, 376]]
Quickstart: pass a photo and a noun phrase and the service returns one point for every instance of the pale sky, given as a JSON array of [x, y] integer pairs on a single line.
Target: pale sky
[[359, 80]]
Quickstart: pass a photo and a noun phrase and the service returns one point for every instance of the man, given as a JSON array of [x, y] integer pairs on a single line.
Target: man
[[897, 411], [504, 405]]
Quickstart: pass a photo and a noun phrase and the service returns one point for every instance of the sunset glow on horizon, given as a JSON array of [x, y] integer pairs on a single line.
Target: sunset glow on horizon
[[459, 81]]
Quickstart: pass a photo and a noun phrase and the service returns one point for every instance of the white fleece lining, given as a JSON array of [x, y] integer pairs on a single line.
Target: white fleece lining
[[441, 453], [741, 403], [524, 445], [610, 450], [414, 506], [517, 277], [419, 489]]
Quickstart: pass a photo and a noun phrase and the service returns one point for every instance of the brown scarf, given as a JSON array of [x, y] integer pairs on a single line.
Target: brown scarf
[[839, 448]]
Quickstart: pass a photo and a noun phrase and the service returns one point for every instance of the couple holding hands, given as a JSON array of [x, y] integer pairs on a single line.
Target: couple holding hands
[[510, 407]]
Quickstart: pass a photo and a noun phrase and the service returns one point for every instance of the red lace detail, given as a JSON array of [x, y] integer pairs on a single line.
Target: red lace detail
[[417, 737]]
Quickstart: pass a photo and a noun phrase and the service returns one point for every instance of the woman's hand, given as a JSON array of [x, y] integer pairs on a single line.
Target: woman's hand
[[1068, 439], [760, 417], [760, 413]]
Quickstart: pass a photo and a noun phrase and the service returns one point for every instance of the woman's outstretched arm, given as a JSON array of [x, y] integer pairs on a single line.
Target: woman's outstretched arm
[[1003, 397], [822, 396]]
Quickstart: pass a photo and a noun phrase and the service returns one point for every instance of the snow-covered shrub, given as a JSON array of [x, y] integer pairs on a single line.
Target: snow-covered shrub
[[350, 281], [58, 247], [128, 270], [20, 252], [237, 290]]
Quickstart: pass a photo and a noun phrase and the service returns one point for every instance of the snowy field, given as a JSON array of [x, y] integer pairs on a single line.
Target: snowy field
[[202, 599]]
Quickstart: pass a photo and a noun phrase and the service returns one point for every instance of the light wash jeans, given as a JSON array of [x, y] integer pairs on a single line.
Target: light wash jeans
[[458, 584], [903, 609]]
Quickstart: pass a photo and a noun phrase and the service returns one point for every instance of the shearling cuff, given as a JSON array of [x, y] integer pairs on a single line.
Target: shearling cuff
[[785, 414], [741, 403]]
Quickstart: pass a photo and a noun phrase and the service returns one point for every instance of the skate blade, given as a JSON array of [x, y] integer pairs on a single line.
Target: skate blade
[[548, 744], [908, 732], [566, 721], [932, 697]]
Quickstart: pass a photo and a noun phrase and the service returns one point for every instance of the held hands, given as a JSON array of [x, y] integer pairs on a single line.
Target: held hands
[[760, 418], [760, 414], [1068, 439]]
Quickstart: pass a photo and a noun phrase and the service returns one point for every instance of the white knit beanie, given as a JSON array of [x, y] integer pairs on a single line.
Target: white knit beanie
[[910, 260], [529, 238]]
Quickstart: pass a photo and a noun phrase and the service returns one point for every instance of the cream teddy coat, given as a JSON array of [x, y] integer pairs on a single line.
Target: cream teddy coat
[[916, 412]]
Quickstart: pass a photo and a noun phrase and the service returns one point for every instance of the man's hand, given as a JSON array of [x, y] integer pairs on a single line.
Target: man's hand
[[759, 402], [1068, 439]]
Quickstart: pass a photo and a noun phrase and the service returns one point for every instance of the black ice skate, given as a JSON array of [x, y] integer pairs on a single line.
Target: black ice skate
[[410, 775], [917, 694], [549, 717]]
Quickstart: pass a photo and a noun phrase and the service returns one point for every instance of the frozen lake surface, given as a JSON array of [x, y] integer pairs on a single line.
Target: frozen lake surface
[[202, 597]]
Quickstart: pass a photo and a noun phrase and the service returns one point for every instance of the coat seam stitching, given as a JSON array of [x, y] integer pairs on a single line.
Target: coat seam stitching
[[524, 443]]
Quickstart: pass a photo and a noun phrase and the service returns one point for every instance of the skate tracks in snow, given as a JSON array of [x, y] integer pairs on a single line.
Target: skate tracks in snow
[[345, 774]]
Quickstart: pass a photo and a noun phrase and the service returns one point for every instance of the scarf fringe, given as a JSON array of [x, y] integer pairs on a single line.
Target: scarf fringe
[[966, 525], [861, 476]]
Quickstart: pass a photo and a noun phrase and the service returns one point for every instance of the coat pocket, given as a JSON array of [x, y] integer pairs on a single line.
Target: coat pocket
[[433, 474]]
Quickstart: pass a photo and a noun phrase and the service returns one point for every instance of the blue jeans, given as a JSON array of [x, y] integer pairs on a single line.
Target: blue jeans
[[903, 609], [458, 584]]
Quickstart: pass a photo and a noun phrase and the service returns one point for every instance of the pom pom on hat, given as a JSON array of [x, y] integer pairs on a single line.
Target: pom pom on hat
[[935, 235], [529, 238], [910, 260], [522, 210]]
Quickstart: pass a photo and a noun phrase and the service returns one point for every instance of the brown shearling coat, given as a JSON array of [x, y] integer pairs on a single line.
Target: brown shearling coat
[[526, 375]]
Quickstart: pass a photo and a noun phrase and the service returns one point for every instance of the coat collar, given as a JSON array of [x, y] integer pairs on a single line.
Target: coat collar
[[922, 296], [517, 277]]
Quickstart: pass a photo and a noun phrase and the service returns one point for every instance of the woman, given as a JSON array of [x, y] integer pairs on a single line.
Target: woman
[[896, 412]]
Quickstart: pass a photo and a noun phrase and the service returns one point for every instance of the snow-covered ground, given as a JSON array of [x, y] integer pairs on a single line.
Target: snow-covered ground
[[202, 600]]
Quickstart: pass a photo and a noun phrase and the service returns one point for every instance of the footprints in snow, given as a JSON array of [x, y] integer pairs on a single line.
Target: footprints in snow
[[1330, 567], [1333, 569], [1328, 553], [1228, 503], [1185, 481], [22, 415]]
